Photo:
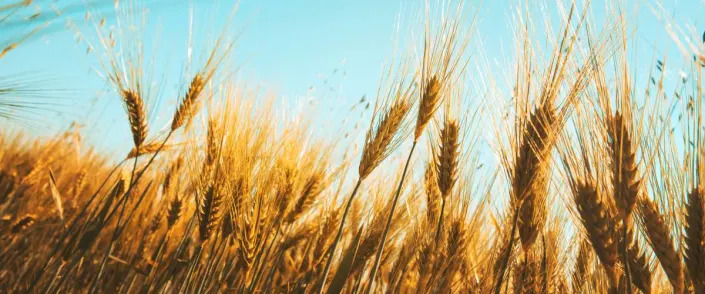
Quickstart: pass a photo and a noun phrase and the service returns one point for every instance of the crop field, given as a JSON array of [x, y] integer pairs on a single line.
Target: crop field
[[572, 165]]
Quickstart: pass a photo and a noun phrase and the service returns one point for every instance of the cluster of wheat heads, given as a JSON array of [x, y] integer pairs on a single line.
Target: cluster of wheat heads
[[597, 197]]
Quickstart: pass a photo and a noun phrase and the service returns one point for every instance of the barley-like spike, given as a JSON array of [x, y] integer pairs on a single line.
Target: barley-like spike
[[456, 241], [78, 184], [433, 194], [695, 237], [640, 268], [170, 176], [147, 149], [246, 240], [379, 139], [625, 181], [308, 196], [454, 249], [209, 212], [447, 160], [323, 240], [8, 182], [530, 174], [285, 190], [211, 144], [367, 246], [427, 105], [425, 257], [657, 233], [598, 226], [136, 116], [156, 222], [189, 103], [174, 212]]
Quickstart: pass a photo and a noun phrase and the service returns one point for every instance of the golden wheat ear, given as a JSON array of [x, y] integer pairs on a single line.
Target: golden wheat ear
[[189, 103], [149, 148], [136, 116], [531, 172], [174, 212], [383, 138], [659, 237], [694, 238], [598, 225], [447, 158], [428, 104], [308, 196], [433, 194], [210, 211], [625, 180]]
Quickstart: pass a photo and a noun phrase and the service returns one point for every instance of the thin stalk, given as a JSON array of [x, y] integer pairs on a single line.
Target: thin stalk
[[338, 236], [209, 264], [440, 220], [380, 248], [133, 183], [505, 258], [193, 263], [259, 271], [270, 275], [68, 230], [54, 278]]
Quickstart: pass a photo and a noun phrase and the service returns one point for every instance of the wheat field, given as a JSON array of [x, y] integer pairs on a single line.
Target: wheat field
[[591, 185]]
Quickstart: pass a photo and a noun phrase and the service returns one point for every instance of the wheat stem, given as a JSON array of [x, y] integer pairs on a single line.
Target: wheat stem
[[338, 235], [380, 248]]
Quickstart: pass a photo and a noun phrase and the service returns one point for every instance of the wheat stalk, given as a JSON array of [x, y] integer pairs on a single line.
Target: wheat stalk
[[582, 267], [380, 141]]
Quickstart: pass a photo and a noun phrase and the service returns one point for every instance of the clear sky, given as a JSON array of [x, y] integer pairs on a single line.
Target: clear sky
[[303, 50]]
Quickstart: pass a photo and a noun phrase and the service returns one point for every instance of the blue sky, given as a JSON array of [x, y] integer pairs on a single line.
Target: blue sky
[[330, 51]]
